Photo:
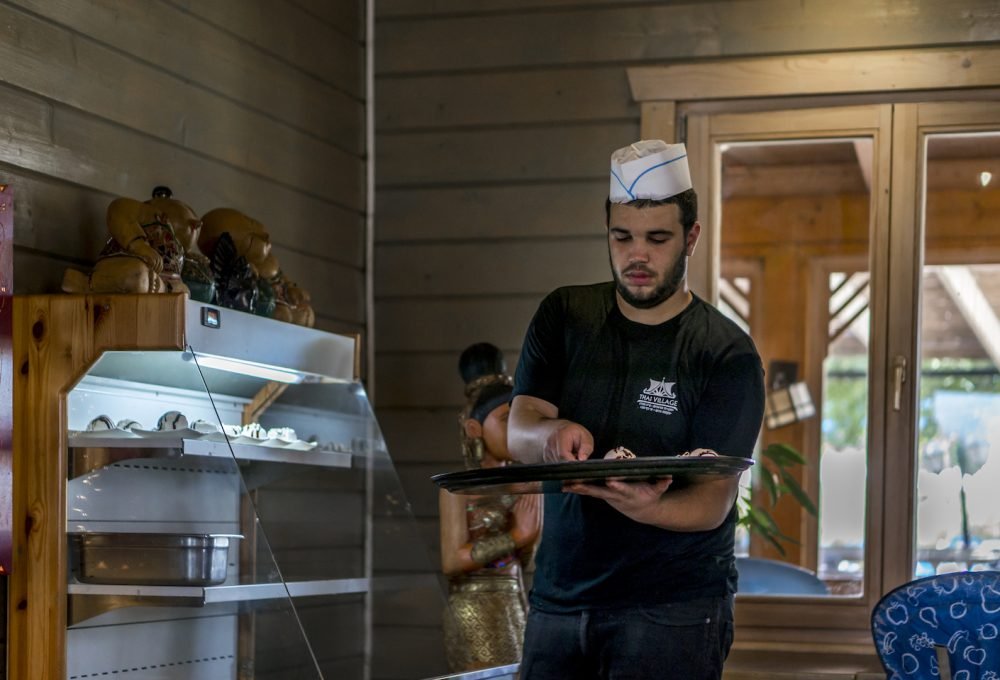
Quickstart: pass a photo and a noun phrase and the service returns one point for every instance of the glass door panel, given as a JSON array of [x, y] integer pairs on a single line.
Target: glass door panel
[[958, 441], [795, 239], [798, 217]]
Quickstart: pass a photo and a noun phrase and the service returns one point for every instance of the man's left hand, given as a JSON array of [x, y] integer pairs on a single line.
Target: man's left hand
[[636, 500]]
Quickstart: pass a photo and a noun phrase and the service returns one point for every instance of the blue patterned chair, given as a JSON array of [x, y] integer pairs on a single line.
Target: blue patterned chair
[[954, 618]]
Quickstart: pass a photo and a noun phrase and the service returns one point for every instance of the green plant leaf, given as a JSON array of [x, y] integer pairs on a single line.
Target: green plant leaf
[[754, 523], [783, 455], [767, 480], [772, 473], [791, 485], [772, 526]]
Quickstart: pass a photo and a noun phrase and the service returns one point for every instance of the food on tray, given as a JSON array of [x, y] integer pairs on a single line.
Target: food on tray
[[204, 427], [100, 424], [254, 431], [700, 452], [128, 424], [172, 420], [285, 434], [618, 453]]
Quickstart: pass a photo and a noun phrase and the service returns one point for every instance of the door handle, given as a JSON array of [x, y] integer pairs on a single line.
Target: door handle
[[899, 377]]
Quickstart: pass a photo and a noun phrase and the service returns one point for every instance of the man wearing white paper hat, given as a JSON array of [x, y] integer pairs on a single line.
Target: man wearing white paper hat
[[636, 579]]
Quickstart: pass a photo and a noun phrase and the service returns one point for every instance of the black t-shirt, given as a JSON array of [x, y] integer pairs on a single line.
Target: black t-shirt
[[695, 381]]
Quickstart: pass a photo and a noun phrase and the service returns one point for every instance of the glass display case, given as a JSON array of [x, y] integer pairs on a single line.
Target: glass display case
[[221, 496]]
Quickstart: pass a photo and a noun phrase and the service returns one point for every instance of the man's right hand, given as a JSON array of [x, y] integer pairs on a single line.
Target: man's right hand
[[568, 442]]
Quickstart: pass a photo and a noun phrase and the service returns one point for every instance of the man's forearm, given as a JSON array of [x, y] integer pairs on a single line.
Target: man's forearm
[[531, 423], [703, 506], [527, 435]]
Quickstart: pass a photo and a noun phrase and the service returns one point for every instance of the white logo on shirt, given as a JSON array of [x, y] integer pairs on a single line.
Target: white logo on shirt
[[659, 397]]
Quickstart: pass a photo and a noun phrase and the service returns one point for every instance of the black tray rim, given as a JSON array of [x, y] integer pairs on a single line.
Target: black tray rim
[[646, 466]]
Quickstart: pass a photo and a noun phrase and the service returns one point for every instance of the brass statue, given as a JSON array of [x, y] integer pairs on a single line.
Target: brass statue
[[486, 540], [161, 246], [247, 274], [153, 248]]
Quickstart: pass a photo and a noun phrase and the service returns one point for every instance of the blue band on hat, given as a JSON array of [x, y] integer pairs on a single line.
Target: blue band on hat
[[623, 184], [658, 165]]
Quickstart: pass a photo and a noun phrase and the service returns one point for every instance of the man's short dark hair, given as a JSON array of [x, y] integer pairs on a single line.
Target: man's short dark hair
[[687, 202]]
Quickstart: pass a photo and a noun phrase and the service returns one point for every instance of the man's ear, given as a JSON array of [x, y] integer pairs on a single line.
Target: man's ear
[[692, 238], [473, 428]]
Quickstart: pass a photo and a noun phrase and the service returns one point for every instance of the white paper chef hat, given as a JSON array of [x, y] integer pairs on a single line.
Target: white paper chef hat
[[649, 168]]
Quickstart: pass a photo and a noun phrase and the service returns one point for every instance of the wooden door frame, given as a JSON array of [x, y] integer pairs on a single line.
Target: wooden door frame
[[845, 620], [911, 125], [667, 95]]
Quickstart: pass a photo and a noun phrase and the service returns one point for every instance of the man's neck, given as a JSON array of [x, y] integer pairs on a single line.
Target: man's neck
[[665, 311]]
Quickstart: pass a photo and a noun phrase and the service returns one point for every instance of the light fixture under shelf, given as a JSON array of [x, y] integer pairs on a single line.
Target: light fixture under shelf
[[247, 368]]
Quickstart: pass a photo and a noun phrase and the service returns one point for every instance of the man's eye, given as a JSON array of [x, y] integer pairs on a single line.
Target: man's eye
[[621, 237], [657, 239]]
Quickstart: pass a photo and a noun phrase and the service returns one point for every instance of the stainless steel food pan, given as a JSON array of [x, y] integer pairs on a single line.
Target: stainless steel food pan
[[152, 559]]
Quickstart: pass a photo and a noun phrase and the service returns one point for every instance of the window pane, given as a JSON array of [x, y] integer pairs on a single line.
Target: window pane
[[794, 247], [958, 518]]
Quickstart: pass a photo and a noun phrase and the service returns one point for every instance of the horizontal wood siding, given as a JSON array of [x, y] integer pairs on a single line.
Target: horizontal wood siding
[[494, 124], [257, 105], [105, 98]]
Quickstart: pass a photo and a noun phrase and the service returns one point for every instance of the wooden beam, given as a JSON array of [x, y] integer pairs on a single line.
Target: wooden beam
[[954, 219], [806, 179], [965, 292], [659, 121], [262, 401], [819, 74]]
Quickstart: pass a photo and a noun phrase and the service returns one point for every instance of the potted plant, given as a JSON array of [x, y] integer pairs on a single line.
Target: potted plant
[[773, 471]]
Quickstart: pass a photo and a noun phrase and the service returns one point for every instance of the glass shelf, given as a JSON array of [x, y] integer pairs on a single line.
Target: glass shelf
[[166, 447], [234, 593]]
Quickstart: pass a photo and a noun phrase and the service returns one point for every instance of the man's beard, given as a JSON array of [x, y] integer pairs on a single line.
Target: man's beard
[[671, 283]]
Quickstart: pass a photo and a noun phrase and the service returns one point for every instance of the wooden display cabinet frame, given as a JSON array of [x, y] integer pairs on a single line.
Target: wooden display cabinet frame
[[56, 339]]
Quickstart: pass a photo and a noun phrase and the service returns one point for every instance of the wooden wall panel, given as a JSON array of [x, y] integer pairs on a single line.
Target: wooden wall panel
[[346, 17], [421, 491], [55, 63], [56, 217], [337, 291], [409, 652], [510, 154], [38, 271], [102, 149], [453, 324], [413, 9], [95, 153], [485, 213], [332, 628], [469, 269], [422, 435], [578, 35], [415, 605], [421, 380], [503, 98], [293, 35], [402, 547], [159, 33]]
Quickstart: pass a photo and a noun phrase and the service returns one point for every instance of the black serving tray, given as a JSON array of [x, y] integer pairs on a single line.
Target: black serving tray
[[528, 478]]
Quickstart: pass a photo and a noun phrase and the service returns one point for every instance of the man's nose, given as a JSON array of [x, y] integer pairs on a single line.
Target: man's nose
[[638, 252]]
